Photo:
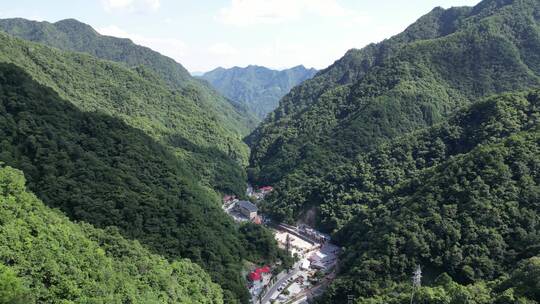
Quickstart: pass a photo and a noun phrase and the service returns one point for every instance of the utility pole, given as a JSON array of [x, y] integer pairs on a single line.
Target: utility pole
[[417, 280]]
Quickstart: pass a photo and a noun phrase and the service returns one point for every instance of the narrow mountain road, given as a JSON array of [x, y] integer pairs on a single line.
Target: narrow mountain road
[[274, 288], [316, 290]]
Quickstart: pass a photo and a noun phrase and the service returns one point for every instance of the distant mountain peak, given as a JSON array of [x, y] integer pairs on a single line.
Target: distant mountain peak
[[74, 25], [259, 87], [70, 21]]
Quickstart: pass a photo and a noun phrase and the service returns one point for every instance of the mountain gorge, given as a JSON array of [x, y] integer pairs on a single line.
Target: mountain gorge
[[114, 145], [259, 88], [419, 154]]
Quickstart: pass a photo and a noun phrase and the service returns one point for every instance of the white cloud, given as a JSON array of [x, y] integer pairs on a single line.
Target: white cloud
[[249, 12], [222, 49], [172, 47], [131, 5]]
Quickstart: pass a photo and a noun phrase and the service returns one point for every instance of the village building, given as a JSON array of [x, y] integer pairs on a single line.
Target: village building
[[305, 264], [266, 189], [254, 276], [257, 274], [316, 260], [248, 209], [257, 220], [228, 198]]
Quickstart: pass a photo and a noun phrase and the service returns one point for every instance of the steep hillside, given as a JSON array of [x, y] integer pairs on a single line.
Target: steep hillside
[[142, 100], [446, 60], [460, 198], [341, 191], [258, 87], [98, 169], [72, 35], [45, 258]]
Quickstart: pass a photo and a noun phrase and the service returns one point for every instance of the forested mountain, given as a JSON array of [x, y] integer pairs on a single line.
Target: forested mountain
[[460, 199], [345, 189], [258, 87], [445, 60], [184, 112], [72, 35], [420, 151], [45, 258], [96, 168], [142, 99]]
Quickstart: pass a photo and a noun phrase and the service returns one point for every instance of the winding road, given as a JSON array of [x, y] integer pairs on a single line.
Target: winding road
[[274, 287]]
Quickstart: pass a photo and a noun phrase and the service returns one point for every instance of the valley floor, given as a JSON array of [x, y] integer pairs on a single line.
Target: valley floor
[[316, 257]]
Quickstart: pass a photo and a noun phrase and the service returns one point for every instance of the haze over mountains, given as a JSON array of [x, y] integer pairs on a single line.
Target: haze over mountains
[[259, 88], [419, 151]]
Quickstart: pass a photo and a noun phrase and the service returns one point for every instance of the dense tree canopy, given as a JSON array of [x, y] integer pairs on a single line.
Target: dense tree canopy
[[261, 246], [98, 169], [45, 258], [447, 59], [337, 193], [474, 217], [12, 289], [443, 290], [206, 137]]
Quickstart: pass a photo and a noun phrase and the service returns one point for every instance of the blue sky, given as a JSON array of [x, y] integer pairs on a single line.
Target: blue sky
[[204, 34]]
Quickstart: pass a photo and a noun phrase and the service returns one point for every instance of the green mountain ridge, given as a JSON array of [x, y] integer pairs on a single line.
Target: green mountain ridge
[[259, 88], [206, 128], [419, 151], [98, 169], [143, 100], [460, 198], [73, 35], [400, 152], [446, 60], [53, 260]]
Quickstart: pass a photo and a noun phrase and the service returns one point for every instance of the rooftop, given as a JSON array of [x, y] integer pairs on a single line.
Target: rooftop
[[247, 205], [257, 273]]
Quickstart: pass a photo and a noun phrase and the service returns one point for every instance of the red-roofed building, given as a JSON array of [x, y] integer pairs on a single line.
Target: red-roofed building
[[256, 220], [266, 189], [255, 276], [264, 269]]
